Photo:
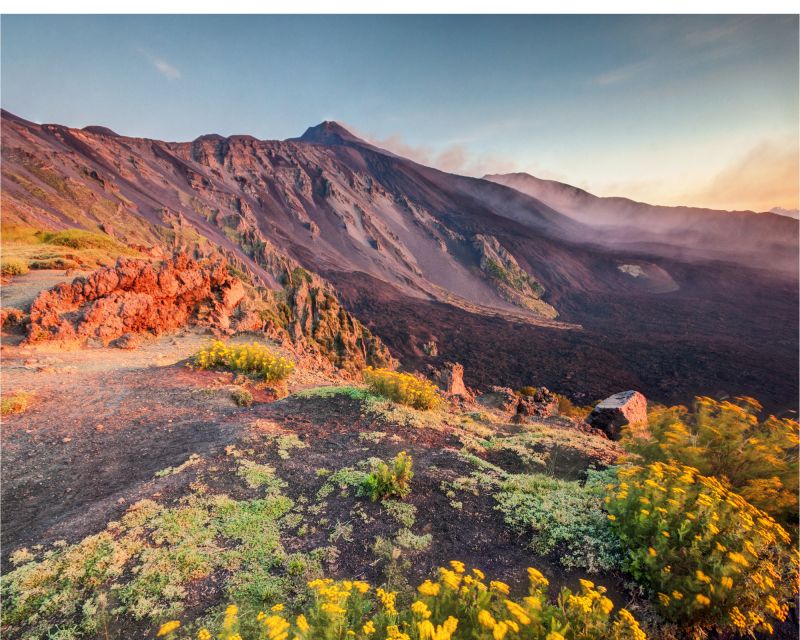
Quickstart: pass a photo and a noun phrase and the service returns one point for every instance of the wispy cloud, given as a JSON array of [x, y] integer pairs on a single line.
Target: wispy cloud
[[454, 158], [764, 177], [159, 64], [620, 74], [692, 45]]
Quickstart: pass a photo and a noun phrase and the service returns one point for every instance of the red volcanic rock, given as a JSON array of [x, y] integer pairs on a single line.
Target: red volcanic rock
[[133, 297], [613, 413], [451, 380], [543, 403]]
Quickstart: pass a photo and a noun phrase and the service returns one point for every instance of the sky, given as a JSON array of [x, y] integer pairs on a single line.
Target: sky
[[694, 110]]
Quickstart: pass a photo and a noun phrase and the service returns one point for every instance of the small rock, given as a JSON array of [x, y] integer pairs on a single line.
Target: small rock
[[99, 427], [65, 440]]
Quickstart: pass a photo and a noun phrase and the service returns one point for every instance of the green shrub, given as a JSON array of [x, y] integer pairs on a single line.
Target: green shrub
[[527, 391], [567, 408], [563, 516], [458, 605], [80, 239], [403, 388], [247, 358], [242, 397], [15, 403], [726, 440], [709, 558], [385, 481], [13, 267]]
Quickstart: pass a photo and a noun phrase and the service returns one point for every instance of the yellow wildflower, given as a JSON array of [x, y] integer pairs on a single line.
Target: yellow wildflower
[[421, 609], [486, 619], [302, 623], [429, 588], [500, 587], [702, 600], [168, 627]]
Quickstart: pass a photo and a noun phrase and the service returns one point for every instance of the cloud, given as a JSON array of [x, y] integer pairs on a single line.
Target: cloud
[[454, 158], [620, 74], [161, 65], [766, 176]]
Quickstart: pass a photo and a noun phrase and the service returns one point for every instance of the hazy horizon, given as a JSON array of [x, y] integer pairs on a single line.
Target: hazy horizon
[[674, 110]]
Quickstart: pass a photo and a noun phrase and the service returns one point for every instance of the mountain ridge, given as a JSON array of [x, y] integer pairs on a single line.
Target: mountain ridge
[[445, 251]]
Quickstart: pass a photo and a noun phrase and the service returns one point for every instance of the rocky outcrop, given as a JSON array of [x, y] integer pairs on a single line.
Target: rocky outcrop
[[136, 296], [617, 411], [500, 398], [450, 379], [512, 282], [313, 313], [542, 403]]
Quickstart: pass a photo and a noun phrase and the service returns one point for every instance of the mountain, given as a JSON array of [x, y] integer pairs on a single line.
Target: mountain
[[511, 285], [763, 239], [789, 213]]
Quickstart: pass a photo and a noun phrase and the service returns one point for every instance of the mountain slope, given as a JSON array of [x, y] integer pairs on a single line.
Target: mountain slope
[[764, 239], [422, 255]]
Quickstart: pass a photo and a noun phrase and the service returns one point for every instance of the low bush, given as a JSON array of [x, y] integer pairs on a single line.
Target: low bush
[[403, 388], [567, 408], [242, 397], [15, 403], [756, 458], [709, 558], [458, 605], [13, 267], [80, 239], [563, 516], [385, 481], [252, 358]]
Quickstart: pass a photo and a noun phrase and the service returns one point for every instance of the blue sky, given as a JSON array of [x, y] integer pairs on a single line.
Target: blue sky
[[671, 109]]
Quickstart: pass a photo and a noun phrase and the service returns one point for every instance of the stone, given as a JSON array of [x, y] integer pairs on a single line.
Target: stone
[[543, 403], [501, 398], [617, 411]]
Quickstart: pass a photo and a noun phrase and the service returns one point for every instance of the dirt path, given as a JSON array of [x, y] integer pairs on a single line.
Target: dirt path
[[20, 291]]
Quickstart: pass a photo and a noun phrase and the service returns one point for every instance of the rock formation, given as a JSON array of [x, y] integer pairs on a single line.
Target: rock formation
[[135, 296], [617, 411], [450, 379], [541, 404]]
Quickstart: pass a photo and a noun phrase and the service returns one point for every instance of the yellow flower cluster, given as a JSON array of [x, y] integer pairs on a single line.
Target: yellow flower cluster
[[252, 358], [710, 558], [726, 439], [403, 388], [460, 604]]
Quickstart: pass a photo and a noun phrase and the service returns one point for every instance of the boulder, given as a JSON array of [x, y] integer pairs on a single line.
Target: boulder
[[501, 398], [617, 411]]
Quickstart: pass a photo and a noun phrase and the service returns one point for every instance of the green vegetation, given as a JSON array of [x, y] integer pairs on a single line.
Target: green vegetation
[[389, 481], [252, 358], [403, 388], [756, 458], [709, 558], [67, 249], [13, 267], [242, 397], [563, 516], [457, 605], [16, 402]]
